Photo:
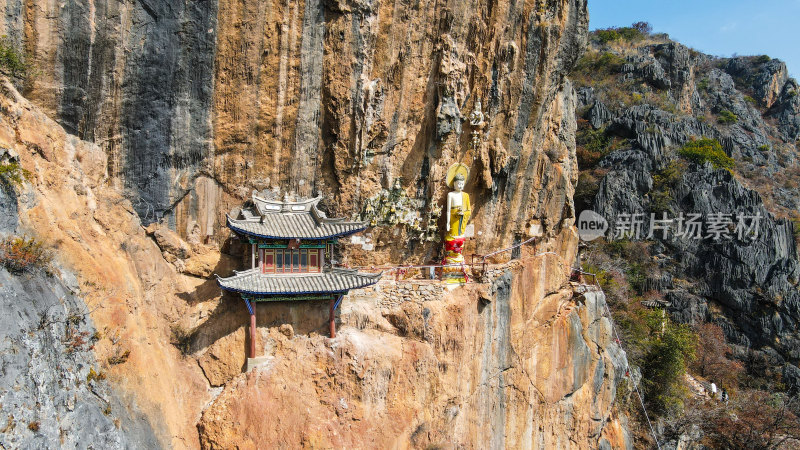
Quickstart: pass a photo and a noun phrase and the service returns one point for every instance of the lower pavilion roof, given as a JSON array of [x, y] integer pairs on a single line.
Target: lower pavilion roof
[[335, 280]]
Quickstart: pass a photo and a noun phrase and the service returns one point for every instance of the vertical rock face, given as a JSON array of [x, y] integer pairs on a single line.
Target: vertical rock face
[[53, 390], [136, 78], [122, 283], [198, 103], [166, 91], [526, 367]]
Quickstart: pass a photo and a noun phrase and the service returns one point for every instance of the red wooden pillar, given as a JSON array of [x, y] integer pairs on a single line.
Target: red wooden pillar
[[253, 334], [332, 319]]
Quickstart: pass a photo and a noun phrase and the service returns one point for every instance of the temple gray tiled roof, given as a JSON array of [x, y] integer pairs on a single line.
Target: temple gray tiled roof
[[290, 220], [333, 281]]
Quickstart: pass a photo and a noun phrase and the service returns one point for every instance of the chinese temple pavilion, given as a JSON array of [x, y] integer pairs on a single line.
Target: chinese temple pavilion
[[291, 254]]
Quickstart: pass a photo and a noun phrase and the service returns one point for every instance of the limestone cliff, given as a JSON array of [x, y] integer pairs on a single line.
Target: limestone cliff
[[196, 104], [519, 360], [121, 278], [151, 110], [525, 365]]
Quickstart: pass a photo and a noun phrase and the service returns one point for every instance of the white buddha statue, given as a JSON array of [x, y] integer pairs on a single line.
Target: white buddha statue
[[459, 209]]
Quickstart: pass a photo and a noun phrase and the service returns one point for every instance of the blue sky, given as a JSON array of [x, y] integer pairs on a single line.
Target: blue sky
[[716, 27]]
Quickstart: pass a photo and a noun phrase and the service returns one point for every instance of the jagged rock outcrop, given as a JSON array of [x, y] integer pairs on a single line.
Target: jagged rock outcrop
[[754, 280], [53, 390], [745, 282], [132, 295], [787, 110], [764, 75], [509, 373], [669, 67]]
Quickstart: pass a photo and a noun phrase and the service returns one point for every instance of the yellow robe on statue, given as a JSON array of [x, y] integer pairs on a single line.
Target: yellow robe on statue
[[458, 223]]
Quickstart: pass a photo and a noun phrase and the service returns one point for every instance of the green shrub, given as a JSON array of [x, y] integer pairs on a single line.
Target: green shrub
[[119, 358], [587, 159], [585, 191], [630, 34], [593, 140], [18, 254], [762, 59], [749, 99], [764, 148], [607, 35], [593, 145], [12, 62], [636, 273], [635, 32], [12, 174], [660, 201], [709, 150], [664, 183], [181, 338], [94, 376], [599, 70], [702, 85], [726, 117], [669, 350], [671, 175], [597, 65], [610, 61]]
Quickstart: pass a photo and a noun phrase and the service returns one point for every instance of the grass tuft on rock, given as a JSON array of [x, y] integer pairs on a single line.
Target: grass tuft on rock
[[726, 117], [12, 61], [12, 174]]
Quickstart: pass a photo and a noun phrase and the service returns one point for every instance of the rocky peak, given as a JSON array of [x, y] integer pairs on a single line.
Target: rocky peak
[[765, 76], [747, 105]]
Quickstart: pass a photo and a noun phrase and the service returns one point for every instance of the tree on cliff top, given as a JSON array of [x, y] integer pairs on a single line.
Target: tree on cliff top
[[665, 362], [712, 361]]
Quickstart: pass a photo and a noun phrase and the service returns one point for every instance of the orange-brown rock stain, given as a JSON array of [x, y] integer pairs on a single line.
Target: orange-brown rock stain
[[441, 373], [453, 371]]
